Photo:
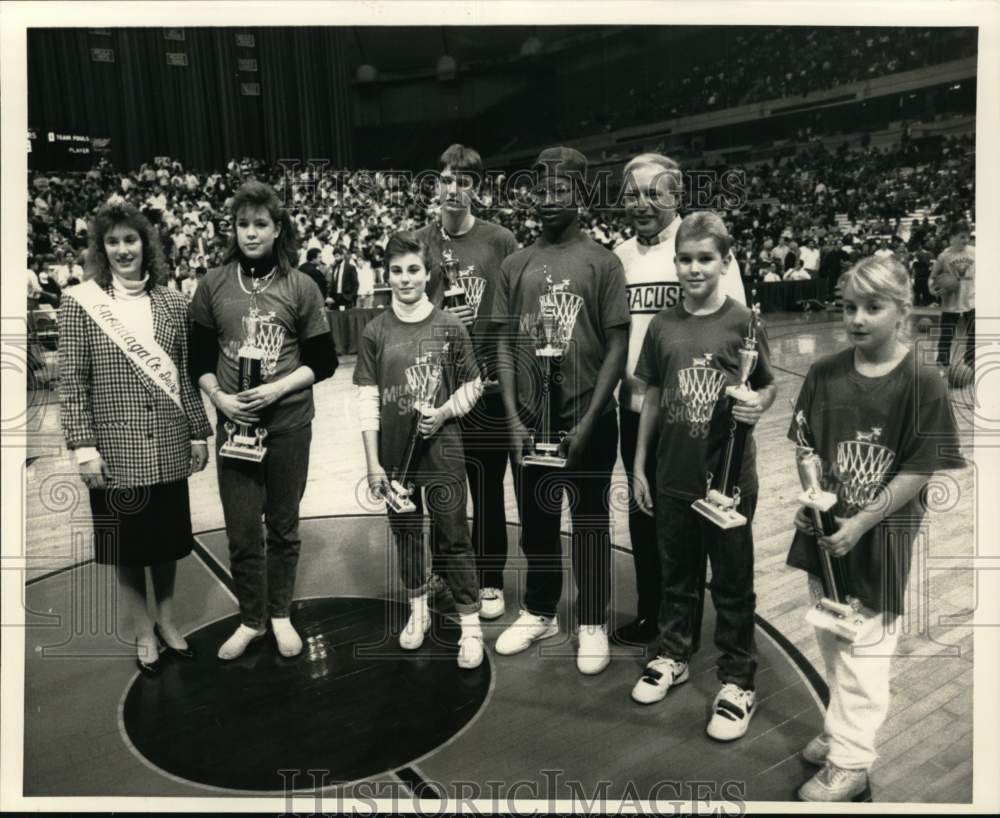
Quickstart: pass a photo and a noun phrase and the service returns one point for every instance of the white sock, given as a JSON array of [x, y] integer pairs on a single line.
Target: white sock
[[237, 643], [470, 624], [418, 606], [288, 639]]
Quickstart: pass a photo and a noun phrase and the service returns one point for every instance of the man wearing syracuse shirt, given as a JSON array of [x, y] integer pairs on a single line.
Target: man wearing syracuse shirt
[[651, 189]]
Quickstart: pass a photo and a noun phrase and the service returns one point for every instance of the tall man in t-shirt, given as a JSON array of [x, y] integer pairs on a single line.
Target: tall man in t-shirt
[[477, 246], [589, 371], [651, 191]]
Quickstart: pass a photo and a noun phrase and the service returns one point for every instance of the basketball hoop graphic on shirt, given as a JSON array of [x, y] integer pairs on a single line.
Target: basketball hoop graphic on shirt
[[474, 287], [423, 379], [700, 385], [258, 358], [264, 337], [862, 464]]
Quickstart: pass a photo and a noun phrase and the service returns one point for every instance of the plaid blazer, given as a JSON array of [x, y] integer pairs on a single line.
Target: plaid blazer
[[105, 402]]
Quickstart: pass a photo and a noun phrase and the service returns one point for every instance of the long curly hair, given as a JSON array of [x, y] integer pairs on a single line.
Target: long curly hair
[[286, 245], [117, 211]]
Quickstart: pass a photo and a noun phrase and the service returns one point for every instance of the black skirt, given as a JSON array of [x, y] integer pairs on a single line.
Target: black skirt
[[141, 525]]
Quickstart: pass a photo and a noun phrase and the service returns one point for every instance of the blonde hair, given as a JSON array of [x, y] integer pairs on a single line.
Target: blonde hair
[[880, 277]]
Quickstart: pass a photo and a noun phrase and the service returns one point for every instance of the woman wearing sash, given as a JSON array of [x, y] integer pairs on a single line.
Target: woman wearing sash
[[133, 418], [260, 340]]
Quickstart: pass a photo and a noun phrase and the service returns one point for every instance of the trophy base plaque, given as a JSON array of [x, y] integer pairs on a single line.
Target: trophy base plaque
[[719, 510], [397, 497], [546, 455], [551, 461], [837, 618], [245, 446]]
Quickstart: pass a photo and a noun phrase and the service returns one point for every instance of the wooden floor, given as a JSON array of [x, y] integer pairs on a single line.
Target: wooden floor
[[925, 746]]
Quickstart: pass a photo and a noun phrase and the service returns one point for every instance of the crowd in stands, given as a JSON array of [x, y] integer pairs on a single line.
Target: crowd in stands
[[756, 64], [805, 216]]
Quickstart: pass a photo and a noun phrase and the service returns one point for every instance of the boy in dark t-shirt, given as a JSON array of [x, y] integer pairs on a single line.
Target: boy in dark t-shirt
[[589, 371], [477, 247], [685, 350]]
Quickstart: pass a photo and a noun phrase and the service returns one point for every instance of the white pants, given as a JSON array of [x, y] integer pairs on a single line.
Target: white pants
[[858, 677]]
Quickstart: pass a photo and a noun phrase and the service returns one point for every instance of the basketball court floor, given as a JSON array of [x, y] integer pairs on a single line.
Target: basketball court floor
[[354, 708]]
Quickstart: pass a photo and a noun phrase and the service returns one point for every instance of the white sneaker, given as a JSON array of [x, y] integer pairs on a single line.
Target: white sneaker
[[816, 751], [527, 628], [834, 783], [731, 712], [593, 654], [412, 636], [661, 674], [470, 650], [491, 603]]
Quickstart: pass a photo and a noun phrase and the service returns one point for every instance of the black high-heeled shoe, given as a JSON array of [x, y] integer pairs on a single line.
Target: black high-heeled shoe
[[149, 668], [187, 653]]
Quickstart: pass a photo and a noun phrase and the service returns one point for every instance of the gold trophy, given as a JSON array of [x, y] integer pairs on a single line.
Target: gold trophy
[[423, 378], [454, 293], [258, 356], [557, 317], [722, 496]]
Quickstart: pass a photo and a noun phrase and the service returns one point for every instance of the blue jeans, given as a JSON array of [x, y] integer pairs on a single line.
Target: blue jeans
[[264, 577], [451, 549], [685, 537]]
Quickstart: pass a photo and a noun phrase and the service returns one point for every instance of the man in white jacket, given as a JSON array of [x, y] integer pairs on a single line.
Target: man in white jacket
[[652, 187]]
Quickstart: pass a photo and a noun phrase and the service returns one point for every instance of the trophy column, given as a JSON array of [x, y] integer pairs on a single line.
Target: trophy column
[[835, 611], [558, 309], [723, 494], [257, 358], [423, 378]]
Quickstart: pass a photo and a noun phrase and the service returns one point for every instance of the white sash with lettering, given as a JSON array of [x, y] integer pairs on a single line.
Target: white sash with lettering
[[138, 344]]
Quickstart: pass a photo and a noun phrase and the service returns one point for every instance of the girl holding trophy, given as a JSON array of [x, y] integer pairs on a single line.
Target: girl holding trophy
[[260, 340], [417, 375], [871, 424]]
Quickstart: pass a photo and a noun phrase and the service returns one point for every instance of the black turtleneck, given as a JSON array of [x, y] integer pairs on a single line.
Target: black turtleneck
[[257, 267]]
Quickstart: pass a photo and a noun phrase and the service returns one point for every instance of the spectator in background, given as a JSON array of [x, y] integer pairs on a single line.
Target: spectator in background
[[810, 256], [343, 290], [311, 269], [798, 274], [920, 266]]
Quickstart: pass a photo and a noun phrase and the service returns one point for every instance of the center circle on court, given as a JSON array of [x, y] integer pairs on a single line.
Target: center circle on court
[[352, 703]]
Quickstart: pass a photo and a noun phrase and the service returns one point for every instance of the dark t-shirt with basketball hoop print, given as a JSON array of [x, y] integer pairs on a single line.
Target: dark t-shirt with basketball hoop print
[[388, 347], [588, 271], [294, 307], [692, 358], [871, 429]]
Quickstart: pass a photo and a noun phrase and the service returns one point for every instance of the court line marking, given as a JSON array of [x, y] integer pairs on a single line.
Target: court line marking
[[805, 669]]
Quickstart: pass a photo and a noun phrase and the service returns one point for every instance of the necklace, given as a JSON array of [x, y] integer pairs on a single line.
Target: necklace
[[255, 287]]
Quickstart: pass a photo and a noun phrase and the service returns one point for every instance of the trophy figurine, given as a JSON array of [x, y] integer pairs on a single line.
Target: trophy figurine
[[834, 609], [258, 356], [454, 293], [557, 317], [722, 496], [423, 378]]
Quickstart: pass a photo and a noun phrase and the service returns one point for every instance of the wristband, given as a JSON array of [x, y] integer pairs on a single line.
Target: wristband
[[211, 395]]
